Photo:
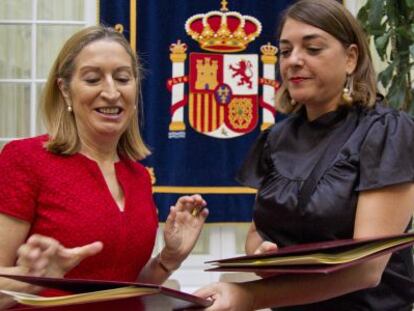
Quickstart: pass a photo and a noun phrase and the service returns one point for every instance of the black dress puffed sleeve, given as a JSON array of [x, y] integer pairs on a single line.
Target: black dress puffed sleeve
[[387, 152], [257, 162]]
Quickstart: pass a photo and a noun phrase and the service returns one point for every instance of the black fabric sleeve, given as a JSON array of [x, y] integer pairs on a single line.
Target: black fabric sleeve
[[387, 152], [256, 164]]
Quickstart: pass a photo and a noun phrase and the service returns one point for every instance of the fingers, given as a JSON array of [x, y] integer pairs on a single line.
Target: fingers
[[264, 275], [83, 252], [44, 243], [27, 255], [193, 204], [36, 246], [41, 254], [35, 254], [199, 210], [206, 292], [265, 247], [170, 221]]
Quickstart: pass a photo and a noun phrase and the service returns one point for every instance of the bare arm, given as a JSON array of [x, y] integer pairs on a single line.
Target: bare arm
[[38, 256], [375, 216], [255, 244], [253, 239], [13, 232], [182, 229]]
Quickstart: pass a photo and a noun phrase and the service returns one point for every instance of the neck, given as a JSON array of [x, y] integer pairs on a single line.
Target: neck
[[101, 153], [314, 111]]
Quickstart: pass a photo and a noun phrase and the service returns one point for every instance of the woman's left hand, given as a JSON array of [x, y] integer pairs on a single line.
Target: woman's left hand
[[182, 229]]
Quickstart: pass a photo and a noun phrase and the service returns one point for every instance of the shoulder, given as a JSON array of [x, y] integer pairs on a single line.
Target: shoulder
[[381, 114], [383, 126], [25, 147], [387, 148], [381, 120], [137, 169], [134, 165], [287, 121], [284, 124]]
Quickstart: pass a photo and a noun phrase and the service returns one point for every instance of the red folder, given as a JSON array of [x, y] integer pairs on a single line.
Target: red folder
[[161, 299], [321, 257]]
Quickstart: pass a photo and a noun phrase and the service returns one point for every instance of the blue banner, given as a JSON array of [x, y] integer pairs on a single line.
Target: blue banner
[[210, 77]]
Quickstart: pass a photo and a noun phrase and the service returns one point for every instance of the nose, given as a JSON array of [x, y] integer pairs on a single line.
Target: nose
[[296, 58], [110, 90]]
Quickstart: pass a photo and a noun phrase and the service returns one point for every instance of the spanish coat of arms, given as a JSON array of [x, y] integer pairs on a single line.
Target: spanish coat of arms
[[222, 100]]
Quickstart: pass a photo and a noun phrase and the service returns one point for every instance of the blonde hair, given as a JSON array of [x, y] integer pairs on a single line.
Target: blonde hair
[[335, 19], [60, 124]]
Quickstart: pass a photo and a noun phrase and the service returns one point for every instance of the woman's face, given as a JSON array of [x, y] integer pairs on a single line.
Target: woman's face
[[103, 91], [314, 65]]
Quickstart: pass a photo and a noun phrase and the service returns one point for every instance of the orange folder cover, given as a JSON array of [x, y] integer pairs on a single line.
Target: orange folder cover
[[321, 257], [119, 295]]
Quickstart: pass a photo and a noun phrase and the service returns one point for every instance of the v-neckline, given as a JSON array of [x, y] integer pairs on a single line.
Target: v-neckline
[[111, 198]]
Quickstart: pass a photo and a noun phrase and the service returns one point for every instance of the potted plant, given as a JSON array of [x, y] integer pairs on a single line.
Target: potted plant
[[390, 23]]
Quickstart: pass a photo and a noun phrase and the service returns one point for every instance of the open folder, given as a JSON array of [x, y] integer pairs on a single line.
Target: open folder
[[150, 296], [321, 257]]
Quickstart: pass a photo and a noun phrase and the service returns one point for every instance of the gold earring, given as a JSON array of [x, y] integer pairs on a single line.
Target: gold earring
[[348, 90]]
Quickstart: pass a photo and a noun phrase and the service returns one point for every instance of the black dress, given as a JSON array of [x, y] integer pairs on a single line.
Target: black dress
[[378, 153]]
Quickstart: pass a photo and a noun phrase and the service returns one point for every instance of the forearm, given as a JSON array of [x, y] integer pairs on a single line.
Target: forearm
[[8, 284], [288, 290], [253, 240], [156, 271]]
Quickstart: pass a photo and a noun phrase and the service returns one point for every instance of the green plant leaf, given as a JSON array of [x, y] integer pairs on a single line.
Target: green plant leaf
[[396, 93], [395, 96], [410, 3], [391, 24], [404, 32], [411, 108], [386, 75], [363, 14], [381, 44], [375, 14]]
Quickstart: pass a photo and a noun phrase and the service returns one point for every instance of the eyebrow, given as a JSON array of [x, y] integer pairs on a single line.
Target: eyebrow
[[305, 38], [97, 68]]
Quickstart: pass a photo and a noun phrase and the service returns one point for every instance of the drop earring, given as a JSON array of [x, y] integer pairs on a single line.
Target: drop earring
[[348, 90], [291, 101]]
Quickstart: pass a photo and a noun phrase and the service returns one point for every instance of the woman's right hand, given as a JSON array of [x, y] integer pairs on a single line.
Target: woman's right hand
[[255, 245], [45, 256], [263, 248]]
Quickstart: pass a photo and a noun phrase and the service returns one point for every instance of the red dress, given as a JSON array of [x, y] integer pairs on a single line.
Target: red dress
[[67, 198]]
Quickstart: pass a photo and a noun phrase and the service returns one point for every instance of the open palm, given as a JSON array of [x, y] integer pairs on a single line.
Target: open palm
[[183, 227]]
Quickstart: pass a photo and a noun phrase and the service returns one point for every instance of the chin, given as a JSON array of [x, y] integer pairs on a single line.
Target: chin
[[301, 98], [107, 133]]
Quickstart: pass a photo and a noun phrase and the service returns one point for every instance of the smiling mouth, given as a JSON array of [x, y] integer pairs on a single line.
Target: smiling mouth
[[111, 111], [297, 79]]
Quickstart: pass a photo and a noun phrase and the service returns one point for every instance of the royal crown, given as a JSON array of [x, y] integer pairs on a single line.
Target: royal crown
[[268, 49], [224, 30], [178, 47]]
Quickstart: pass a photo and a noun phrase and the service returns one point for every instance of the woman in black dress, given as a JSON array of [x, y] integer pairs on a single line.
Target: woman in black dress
[[340, 166]]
